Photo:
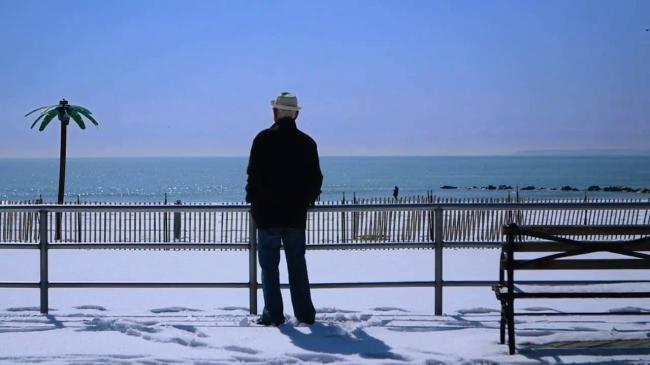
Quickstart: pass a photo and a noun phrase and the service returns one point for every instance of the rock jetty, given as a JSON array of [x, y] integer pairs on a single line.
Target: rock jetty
[[591, 188]]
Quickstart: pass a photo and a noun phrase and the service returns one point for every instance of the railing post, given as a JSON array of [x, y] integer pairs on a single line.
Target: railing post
[[343, 222], [252, 264], [438, 241], [343, 228], [43, 222], [177, 222], [78, 221]]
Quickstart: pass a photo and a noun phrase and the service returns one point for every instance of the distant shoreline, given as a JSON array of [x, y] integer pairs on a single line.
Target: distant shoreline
[[585, 152]]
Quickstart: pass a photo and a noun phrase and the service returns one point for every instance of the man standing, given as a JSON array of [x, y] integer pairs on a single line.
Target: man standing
[[284, 178]]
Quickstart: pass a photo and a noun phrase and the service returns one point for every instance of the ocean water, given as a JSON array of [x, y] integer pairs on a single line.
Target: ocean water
[[222, 179]]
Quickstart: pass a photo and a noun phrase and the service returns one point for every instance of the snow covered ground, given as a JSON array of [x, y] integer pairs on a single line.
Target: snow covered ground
[[373, 326]]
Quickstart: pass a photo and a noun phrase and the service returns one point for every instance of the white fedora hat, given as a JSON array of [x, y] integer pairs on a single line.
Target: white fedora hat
[[286, 101]]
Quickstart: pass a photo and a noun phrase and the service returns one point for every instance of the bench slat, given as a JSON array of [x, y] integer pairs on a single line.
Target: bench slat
[[586, 264], [545, 246], [583, 230], [580, 295], [568, 287]]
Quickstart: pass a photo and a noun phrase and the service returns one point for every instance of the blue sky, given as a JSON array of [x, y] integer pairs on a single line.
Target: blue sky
[[194, 78]]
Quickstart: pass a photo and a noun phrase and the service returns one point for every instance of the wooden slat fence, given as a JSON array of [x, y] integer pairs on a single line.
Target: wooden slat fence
[[18, 226], [368, 226]]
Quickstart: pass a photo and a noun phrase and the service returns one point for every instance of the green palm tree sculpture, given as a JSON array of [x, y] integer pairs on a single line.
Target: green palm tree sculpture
[[64, 112]]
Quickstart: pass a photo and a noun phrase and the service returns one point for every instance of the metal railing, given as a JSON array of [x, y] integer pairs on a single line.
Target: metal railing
[[434, 226]]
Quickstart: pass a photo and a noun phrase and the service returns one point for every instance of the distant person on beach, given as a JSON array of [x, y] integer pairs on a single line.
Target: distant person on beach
[[284, 178], [395, 192]]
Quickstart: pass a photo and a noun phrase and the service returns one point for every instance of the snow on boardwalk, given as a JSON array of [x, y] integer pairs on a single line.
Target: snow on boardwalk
[[355, 326], [93, 334]]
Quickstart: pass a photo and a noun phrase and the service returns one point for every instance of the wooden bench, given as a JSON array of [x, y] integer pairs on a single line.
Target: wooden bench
[[562, 248]]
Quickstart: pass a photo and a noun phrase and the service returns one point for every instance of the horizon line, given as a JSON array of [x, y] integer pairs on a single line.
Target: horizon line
[[516, 154]]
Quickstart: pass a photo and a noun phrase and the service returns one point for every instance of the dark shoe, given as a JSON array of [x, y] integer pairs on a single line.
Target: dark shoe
[[268, 322]]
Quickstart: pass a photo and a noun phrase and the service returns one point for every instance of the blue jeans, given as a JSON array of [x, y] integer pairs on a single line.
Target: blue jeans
[[269, 257]]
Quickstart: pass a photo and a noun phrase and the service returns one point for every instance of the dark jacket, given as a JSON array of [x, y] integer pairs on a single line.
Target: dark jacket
[[284, 176]]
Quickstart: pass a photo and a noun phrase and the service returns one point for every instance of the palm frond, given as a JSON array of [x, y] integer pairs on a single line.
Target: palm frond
[[45, 110], [41, 108], [77, 118], [86, 113], [80, 108], [48, 118], [64, 114], [37, 119]]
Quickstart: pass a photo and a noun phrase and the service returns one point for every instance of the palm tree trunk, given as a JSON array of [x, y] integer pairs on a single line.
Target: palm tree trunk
[[62, 158]]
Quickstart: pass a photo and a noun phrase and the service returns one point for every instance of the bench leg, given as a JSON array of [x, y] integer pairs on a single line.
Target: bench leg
[[511, 326], [502, 324]]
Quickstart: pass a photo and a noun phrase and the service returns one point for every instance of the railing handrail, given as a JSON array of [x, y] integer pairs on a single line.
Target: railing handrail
[[327, 208]]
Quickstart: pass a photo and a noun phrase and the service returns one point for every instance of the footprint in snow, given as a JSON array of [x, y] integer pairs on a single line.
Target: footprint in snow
[[92, 307], [541, 309], [26, 309], [190, 329], [629, 310], [478, 310], [389, 309], [333, 310], [317, 358], [245, 350], [234, 309], [173, 310]]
